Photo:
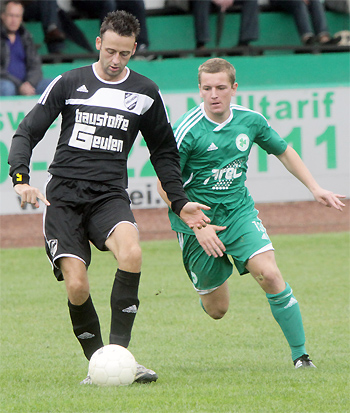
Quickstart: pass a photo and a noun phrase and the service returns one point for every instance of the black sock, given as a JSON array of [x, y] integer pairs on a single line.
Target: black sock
[[124, 305], [86, 326]]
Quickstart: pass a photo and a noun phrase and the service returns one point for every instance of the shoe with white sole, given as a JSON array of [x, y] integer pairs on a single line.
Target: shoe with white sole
[[303, 361], [144, 375]]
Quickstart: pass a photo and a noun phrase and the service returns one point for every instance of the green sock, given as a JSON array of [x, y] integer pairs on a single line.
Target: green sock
[[286, 311]]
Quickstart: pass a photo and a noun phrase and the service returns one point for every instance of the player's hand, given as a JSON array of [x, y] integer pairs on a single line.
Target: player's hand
[[329, 199], [192, 215], [209, 241], [30, 195]]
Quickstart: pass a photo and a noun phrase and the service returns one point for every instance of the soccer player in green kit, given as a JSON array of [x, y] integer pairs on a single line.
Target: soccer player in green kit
[[214, 140]]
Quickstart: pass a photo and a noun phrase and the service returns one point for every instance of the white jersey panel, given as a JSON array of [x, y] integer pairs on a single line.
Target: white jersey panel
[[116, 99]]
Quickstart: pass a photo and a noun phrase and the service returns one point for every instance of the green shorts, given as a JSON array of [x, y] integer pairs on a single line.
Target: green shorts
[[242, 240]]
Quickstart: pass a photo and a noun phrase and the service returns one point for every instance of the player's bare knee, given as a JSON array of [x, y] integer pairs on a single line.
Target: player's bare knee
[[130, 256], [217, 312], [270, 280], [78, 291]]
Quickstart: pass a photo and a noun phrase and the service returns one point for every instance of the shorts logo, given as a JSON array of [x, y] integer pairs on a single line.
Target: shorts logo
[[130, 100], [53, 244], [242, 142], [194, 277]]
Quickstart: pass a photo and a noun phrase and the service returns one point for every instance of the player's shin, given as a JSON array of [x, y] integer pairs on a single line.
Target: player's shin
[[286, 311], [124, 306], [86, 326]]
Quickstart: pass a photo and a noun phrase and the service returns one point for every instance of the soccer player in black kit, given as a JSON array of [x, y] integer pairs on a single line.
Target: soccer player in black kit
[[103, 107]]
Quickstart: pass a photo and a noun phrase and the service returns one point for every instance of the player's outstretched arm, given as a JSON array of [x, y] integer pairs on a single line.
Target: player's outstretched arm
[[293, 163], [30, 195]]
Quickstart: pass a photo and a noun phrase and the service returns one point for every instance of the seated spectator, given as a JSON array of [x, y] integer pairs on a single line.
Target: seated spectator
[[310, 19], [94, 9], [249, 26], [20, 72], [47, 13], [339, 6], [135, 7]]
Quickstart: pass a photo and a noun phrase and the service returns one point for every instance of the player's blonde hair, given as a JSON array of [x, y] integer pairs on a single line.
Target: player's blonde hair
[[217, 65]]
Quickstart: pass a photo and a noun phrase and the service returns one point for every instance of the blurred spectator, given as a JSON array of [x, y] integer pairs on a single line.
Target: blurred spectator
[[95, 9], [310, 19], [249, 26], [340, 6], [137, 8], [100, 8], [46, 11], [21, 72]]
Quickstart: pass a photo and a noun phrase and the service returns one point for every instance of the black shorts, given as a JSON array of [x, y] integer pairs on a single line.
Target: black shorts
[[80, 212]]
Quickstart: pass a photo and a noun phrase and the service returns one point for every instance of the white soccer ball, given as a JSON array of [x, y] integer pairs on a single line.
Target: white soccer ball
[[112, 365]]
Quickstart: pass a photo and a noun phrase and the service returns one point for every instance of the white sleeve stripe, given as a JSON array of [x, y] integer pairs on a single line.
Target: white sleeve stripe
[[47, 91], [194, 122], [187, 119]]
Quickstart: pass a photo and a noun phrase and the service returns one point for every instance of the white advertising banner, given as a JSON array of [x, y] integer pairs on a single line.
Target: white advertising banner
[[315, 121]]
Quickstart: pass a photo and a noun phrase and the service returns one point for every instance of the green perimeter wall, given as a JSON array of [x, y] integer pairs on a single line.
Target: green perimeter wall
[[172, 32], [253, 73]]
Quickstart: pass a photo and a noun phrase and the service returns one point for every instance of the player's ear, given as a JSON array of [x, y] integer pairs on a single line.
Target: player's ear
[[98, 42], [234, 88], [134, 49]]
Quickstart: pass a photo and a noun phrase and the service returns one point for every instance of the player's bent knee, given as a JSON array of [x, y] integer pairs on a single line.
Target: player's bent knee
[[217, 302], [216, 312], [131, 255], [78, 291], [217, 315], [134, 253], [271, 282]]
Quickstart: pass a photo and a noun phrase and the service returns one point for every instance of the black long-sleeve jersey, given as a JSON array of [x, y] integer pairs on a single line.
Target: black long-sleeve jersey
[[100, 122]]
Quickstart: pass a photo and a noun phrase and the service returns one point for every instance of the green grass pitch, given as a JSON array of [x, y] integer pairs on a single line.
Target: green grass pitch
[[238, 364]]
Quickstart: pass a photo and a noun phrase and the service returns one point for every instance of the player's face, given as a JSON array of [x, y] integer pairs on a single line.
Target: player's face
[[216, 91], [115, 53], [12, 17]]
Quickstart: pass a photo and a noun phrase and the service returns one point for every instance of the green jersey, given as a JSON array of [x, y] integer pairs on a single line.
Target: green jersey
[[214, 161]]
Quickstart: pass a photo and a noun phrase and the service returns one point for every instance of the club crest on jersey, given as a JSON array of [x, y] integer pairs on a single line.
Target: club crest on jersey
[[52, 244], [130, 100], [242, 142]]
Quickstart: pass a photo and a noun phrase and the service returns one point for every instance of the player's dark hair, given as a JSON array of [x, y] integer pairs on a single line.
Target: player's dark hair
[[217, 65], [122, 23]]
